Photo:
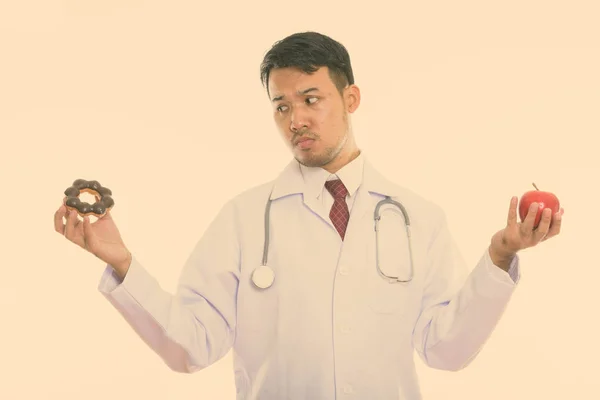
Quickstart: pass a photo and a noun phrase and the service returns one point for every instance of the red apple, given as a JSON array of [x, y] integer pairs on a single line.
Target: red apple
[[544, 199]]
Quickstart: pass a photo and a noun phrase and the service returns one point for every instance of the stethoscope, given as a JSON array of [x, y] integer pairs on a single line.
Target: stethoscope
[[264, 276]]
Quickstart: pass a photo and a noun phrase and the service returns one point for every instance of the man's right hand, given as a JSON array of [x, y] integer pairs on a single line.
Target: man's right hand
[[101, 238]]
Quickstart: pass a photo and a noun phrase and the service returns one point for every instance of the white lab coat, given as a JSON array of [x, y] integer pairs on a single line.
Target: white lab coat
[[329, 327]]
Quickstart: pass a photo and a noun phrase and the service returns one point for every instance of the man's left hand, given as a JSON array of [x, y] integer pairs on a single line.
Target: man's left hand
[[521, 235]]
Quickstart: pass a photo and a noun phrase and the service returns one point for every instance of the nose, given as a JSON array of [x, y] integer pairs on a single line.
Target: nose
[[298, 119]]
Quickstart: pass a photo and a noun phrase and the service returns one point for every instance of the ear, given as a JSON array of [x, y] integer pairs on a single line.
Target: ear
[[352, 98]]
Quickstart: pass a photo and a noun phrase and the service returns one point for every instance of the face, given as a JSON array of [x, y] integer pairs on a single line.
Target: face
[[312, 116]]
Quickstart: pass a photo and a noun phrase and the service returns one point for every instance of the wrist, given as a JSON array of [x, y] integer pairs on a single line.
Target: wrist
[[501, 257], [122, 267]]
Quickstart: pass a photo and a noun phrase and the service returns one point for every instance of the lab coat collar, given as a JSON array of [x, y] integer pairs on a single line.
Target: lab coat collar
[[290, 181]]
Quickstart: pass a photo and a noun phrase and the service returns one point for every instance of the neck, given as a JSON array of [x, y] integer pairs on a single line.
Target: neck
[[342, 159], [348, 153]]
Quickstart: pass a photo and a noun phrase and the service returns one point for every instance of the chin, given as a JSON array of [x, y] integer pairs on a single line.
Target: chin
[[309, 159]]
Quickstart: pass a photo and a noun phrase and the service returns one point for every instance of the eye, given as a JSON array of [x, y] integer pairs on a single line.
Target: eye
[[311, 100], [281, 108]]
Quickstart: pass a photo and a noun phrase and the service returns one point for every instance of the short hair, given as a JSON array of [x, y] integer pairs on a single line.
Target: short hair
[[309, 51]]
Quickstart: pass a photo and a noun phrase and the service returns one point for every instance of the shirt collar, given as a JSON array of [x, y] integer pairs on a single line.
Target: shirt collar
[[295, 179], [350, 174]]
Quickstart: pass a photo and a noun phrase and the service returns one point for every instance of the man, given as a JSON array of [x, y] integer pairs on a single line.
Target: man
[[326, 325]]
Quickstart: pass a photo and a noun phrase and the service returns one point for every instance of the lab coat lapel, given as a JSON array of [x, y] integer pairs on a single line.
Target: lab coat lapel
[[359, 210], [316, 207], [291, 182], [373, 183], [288, 182]]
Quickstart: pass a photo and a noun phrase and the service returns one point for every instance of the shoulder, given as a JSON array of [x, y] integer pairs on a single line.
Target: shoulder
[[250, 199], [423, 212], [250, 196], [256, 193], [287, 179], [418, 203]]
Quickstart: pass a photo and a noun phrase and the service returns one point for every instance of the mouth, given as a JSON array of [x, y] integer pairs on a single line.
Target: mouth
[[304, 143], [303, 140]]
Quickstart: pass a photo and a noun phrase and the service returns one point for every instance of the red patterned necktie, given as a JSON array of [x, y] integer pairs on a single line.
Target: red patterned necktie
[[339, 213]]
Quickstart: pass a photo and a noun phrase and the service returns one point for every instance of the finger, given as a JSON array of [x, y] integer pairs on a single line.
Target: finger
[[107, 216], [527, 225], [59, 225], [512, 212], [542, 229], [555, 225], [71, 225], [88, 233]]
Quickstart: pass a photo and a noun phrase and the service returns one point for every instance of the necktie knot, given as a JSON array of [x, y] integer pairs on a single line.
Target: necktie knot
[[336, 188]]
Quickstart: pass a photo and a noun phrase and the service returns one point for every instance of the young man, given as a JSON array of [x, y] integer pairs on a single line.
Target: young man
[[325, 319]]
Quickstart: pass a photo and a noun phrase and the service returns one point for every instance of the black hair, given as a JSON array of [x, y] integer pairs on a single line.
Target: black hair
[[309, 51]]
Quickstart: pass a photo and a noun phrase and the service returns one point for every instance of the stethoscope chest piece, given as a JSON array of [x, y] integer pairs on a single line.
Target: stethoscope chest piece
[[263, 277]]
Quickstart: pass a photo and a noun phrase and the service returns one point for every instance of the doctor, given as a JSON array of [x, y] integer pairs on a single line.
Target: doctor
[[320, 319]]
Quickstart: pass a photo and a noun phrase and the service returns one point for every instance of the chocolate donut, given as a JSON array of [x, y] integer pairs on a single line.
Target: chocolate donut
[[104, 200]]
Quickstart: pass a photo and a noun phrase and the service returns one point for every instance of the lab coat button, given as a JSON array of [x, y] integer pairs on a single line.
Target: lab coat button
[[344, 271], [347, 389], [346, 329]]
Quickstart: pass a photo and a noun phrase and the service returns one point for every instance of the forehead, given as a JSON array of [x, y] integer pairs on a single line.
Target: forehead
[[290, 81]]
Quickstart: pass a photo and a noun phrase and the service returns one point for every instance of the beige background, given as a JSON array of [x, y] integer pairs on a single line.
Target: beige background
[[465, 102]]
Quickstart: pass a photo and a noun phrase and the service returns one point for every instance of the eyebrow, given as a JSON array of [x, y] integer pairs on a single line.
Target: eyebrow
[[302, 92]]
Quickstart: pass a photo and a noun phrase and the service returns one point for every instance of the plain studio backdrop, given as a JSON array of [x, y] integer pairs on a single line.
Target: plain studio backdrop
[[465, 102]]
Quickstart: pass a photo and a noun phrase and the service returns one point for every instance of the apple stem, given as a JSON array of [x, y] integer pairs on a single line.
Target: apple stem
[[536, 188]]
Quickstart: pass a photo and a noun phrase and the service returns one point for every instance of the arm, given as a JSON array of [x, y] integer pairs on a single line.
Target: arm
[[195, 327], [459, 310]]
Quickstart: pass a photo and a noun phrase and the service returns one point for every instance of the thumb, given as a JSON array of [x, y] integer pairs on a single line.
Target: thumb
[[88, 233]]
